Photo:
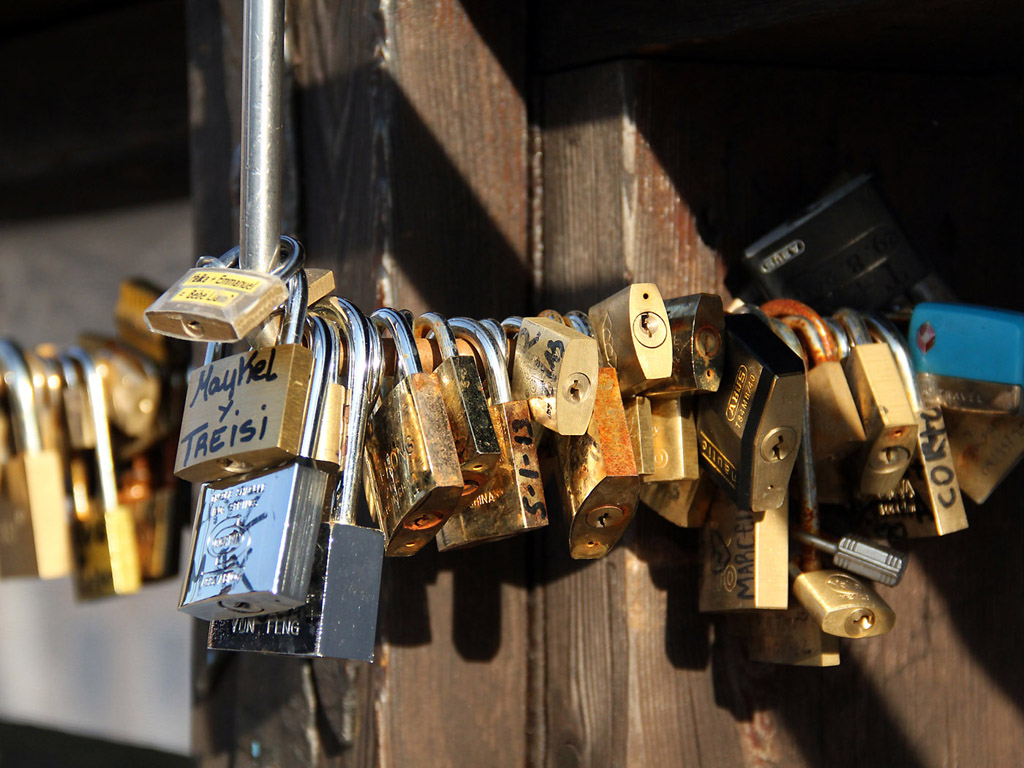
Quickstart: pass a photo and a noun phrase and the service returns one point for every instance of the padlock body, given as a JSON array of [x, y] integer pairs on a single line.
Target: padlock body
[[555, 370], [599, 481], [697, 325], [791, 637], [985, 450], [934, 478], [105, 558], [34, 538], [843, 605], [513, 502], [745, 558], [244, 413], [252, 543], [640, 423], [632, 332], [836, 429], [749, 430], [414, 480], [216, 304], [681, 502], [674, 437], [845, 250], [339, 618]]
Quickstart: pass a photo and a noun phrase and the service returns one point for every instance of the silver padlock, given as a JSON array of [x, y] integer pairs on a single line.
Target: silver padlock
[[339, 619], [254, 538]]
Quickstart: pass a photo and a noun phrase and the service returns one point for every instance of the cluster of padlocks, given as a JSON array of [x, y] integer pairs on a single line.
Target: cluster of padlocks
[[88, 437], [450, 428]]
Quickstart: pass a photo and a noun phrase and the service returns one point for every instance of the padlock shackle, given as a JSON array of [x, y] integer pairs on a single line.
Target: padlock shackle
[[294, 321], [397, 324], [320, 342], [811, 340], [512, 324], [294, 256], [882, 330], [499, 389], [854, 325], [494, 328], [839, 335], [784, 307], [579, 321], [106, 471], [21, 397], [786, 333], [433, 322], [551, 314]]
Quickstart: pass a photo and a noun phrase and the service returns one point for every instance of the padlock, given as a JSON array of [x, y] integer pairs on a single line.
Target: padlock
[[846, 249], [33, 524], [514, 500], [640, 422], [790, 637], [749, 430], [155, 498], [632, 332], [245, 412], [841, 604], [476, 442], [674, 439], [931, 472], [134, 296], [104, 547], [599, 481], [133, 387], [696, 324], [744, 558], [890, 427], [339, 618], [415, 480], [555, 371], [684, 503], [215, 303], [986, 448], [254, 537], [971, 357]]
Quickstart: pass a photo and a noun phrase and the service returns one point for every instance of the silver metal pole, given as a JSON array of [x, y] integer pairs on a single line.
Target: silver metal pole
[[262, 133]]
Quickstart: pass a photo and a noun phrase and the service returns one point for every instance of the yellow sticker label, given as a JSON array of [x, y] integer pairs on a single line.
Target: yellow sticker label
[[201, 295], [224, 279]]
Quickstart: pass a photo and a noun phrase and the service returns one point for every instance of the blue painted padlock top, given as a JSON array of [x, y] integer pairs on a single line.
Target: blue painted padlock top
[[968, 342]]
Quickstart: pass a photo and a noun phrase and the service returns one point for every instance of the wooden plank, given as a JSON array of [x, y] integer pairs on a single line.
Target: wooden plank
[[943, 35], [121, 117], [650, 171]]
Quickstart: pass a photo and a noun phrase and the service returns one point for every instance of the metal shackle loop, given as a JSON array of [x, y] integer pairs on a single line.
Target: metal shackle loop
[[498, 387], [494, 328], [512, 324], [432, 322], [22, 398], [784, 307], [104, 452], [790, 338], [319, 345], [811, 340], [579, 321], [407, 357], [852, 322], [294, 321], [839, 335], [882, 330]]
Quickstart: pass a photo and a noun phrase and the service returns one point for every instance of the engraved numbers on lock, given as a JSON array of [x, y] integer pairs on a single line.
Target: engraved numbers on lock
[[522, 437], [934, 448]]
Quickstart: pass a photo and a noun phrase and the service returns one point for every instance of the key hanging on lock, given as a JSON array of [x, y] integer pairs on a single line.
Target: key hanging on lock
[[859, 556], [513, 502], [339, 618], [749, 430], [971, 358], [632, 332], [931, 472], [414, 482], [555, 371], [476, 442], [890, 427], [216, 302], [696, 326], [245, 412], [254, 537], [33, 523], [105, 557]]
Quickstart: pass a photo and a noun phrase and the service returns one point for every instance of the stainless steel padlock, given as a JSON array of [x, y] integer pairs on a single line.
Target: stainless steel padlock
[[339, 619], [254, 537]]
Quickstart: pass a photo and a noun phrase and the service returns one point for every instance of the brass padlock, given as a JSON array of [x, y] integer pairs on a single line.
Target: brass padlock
[[254, 537], [475, 439], [790, 637], [931, 472], [841, 604], [745, 558], [245, 412], [513, 502], [640, 422], [105, 556], [696, 325], [986, 448], [33, 524], [599, 481], [415, 481], [339, 617], [555, 371], [632, 332], [890, 428], [215, 303]]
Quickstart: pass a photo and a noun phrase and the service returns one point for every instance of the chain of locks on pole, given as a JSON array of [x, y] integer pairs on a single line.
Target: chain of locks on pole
[[848, 387]]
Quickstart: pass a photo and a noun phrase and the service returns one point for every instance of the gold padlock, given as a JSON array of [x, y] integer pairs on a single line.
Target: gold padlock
[[841, 604], [475, 439], [697, 328], [415, 480], [632, 332], [640, 422], [513, 502], [246, 411], [790, 637]]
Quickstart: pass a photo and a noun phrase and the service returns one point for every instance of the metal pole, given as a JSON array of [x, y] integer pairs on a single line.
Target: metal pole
[[262, 133]]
